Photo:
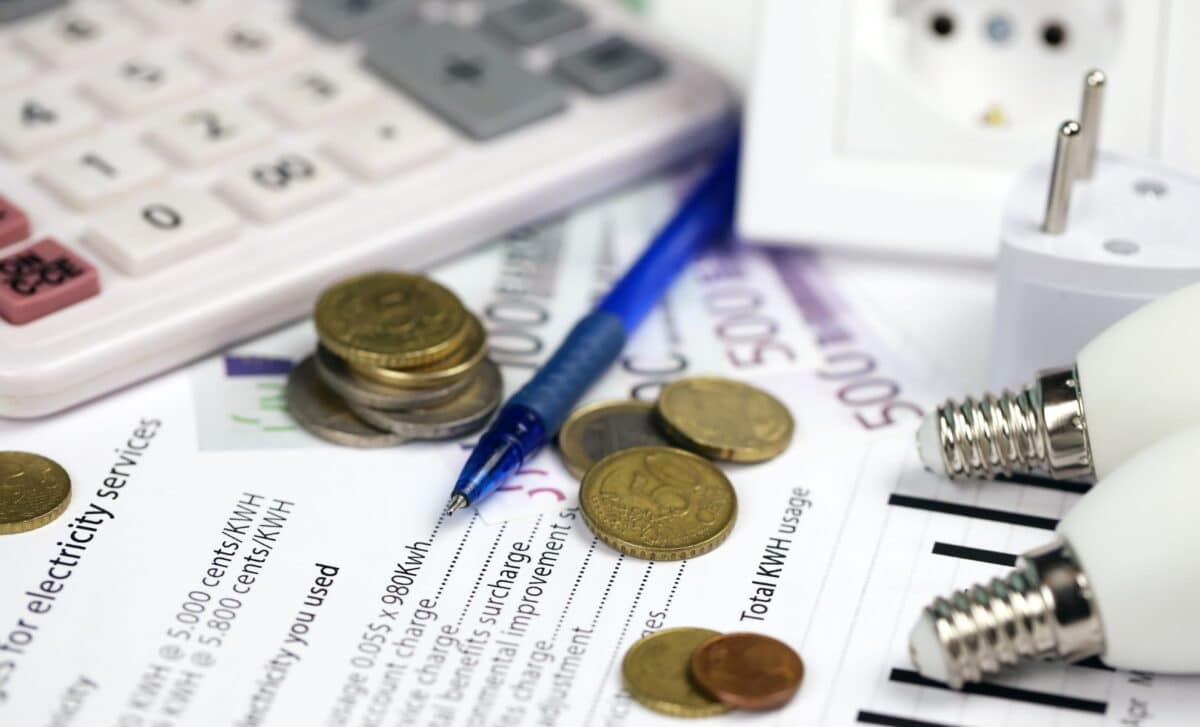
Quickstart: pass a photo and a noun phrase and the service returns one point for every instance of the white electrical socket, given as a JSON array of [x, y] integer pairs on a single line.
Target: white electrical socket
[[1079, 253], [901, 124]]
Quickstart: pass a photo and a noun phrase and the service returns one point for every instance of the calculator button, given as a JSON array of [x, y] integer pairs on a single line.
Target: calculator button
[[534, 21], [463, 77], [17, 9], [143, 82], [99, 172], [279, 183], [247, 47], [73, 35], [155, 229], [344, 19], [209, 132], [14, 223], [381, 143], [176, 14], [33, 121], [15, 67], [609, 66], [314, 94], [43, 279]]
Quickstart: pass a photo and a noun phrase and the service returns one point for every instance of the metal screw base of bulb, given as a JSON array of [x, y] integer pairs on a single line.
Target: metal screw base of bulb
[[1041, 430], [1043, 610]]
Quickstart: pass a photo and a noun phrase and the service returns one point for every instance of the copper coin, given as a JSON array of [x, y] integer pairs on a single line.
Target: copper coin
[[747, 671]]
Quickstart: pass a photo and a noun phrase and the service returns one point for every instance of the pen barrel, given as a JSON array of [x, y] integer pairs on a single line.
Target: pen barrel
[[588, 351]]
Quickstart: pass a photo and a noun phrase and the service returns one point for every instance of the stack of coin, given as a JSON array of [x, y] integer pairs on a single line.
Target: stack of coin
[[720, 419], [399, 359], [693, 672], [641, 492]]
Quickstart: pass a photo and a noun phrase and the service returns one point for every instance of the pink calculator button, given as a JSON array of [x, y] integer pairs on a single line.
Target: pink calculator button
[[42, 279], [14, 225]]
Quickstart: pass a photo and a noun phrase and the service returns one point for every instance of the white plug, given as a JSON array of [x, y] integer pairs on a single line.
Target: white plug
[[1112, 233], [1122, 582]]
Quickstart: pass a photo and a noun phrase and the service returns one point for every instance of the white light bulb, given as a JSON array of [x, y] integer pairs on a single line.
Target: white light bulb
[[1136, 382], [1122, 582]]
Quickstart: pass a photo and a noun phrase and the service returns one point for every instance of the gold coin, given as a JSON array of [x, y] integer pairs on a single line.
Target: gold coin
[[725, 419], [658, 503], [657, 673], [390, 319], [34, 491], [595, 431], [458, 365]]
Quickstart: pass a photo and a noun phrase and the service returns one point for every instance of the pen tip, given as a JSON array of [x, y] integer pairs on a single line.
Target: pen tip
[[457, 503]]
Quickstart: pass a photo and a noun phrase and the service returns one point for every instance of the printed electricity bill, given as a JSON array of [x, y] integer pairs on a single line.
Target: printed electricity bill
[[218, 566]]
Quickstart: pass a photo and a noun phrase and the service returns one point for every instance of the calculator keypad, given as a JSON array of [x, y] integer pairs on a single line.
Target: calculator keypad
[[101, 172], [314, 93], [155, 229], [43, 279], [463, 77], [534, 21], [208, 132], [77, 34], [384, 142], [340, 20], [14, 224], [140, 83], [277, 183], [611, 65], [195, 95], [35, 120]]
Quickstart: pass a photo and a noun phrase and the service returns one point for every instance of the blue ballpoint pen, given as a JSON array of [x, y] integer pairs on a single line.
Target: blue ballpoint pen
[[533, 415]]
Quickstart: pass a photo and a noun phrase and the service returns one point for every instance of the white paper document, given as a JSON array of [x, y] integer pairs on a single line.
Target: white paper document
[[218, 566]]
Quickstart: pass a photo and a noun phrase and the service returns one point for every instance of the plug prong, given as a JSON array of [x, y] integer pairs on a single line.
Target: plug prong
[[1066, 152], [1090, 112]]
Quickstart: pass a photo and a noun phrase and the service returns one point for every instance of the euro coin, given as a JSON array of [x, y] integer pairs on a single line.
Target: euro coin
[[658, 503], [34, 491], [335, 372], [322, 413], [656, 671], [725, 419], [747, 671], [456, 367], [390, 319], [465, 413], [595, 431]]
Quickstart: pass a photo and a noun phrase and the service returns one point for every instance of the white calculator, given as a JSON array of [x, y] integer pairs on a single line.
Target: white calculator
[[177, 175]]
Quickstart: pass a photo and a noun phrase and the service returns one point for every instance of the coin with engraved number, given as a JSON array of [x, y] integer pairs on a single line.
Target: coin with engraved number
[[322, 413], [658, 503], [457, 366], [747, 671], [336, 374], [595, 431], [464, 413], [34, 491], [725, 419], [390, 319], [656, 670]]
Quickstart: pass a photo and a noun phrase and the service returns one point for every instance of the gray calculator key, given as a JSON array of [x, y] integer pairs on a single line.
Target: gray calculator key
[[534, 21], [17, 9], [344, 19], [463, 77], [609, 66]]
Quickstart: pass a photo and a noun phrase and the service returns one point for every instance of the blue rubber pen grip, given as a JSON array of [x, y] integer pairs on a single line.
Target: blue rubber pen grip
[[588, 351]]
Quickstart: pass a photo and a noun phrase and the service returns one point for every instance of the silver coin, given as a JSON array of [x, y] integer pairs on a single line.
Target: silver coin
[[336, 373], [464, 413], [320, 411]]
